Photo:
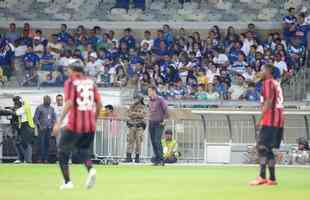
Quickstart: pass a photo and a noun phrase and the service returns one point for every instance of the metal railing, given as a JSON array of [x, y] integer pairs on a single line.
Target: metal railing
[[233, 127], [111, 139]]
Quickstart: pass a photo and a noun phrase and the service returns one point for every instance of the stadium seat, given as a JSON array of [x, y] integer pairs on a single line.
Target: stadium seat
[[139, 4], [122, 4]]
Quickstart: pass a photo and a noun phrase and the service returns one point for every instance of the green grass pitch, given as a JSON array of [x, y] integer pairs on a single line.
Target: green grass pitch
[[41, 182]]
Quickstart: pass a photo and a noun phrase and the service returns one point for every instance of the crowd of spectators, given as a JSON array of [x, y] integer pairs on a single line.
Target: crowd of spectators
[[183, 65]]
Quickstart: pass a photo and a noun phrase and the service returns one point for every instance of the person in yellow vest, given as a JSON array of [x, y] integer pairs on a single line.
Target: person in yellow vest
[[170, 148], [25, 130]]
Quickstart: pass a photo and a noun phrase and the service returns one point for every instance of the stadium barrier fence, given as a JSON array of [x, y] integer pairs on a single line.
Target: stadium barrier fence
[[224, 135]]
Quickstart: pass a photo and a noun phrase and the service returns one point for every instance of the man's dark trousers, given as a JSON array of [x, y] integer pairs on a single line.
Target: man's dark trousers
[[156, 131]]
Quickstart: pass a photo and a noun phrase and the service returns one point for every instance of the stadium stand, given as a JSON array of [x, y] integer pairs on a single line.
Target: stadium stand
[[223, 64]]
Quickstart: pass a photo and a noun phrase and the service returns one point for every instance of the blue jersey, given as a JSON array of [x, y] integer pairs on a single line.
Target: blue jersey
[[93, 40], [48, 57], [168, 38], [136, 60], [31, 60], [63, 37], [7, 56], [157, 41], [289, 19], [233, 55], [129, 40], [301, 32]]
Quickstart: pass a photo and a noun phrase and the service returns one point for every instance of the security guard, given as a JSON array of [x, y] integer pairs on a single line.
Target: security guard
[[136, 125]]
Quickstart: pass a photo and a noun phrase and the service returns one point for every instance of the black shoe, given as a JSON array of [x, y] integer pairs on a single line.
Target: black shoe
[[137, 158], [153, 160], [128, 158]]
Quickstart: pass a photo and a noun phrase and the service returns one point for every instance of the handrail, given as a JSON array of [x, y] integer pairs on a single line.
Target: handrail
[[253, 113]]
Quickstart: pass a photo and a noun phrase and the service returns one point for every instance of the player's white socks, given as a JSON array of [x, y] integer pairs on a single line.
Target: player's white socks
[[91, 179]]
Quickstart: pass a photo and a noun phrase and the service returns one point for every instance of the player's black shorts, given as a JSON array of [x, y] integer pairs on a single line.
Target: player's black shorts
[[70, 141], [270, 137]]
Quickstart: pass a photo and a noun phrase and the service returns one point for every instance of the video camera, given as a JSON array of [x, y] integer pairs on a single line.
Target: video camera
[[10, 112]]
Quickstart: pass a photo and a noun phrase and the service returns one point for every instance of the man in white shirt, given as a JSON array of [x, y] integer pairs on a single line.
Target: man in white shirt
[[147, 39], [236, 90], [247, 43], [38, 47], [249, 73], [220, 59], [212, 72], [94, 65], [55, 46], [280, 64]]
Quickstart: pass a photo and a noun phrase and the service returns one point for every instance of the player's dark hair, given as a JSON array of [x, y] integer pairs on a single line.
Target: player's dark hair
[[109, 107], [59, 95]]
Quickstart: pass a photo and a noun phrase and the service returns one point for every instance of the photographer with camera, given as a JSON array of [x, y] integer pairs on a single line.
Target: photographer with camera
[[136, 125], [25, 129]]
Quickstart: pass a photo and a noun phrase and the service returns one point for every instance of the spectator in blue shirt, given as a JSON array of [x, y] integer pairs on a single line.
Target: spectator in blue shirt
[[47, 61], [288, 21], [168, 36], [31, 64], [234, 52], [301, 30], [172, 74], [160, 38], [31, 60], [94, 39], [63, 35], [7, 58], [128, 39], [162, 50]]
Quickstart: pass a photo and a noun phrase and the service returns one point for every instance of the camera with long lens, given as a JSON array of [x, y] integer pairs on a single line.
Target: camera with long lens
[[10, 113]]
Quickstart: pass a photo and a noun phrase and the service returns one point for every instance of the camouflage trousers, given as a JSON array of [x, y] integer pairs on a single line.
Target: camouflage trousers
[[134, 140]]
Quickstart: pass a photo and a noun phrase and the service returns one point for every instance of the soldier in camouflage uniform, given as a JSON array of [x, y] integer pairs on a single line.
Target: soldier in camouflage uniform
[[136, 125]]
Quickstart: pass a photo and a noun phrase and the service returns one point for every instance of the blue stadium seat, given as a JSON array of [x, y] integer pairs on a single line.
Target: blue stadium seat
[[122, 4], [139, 4]]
